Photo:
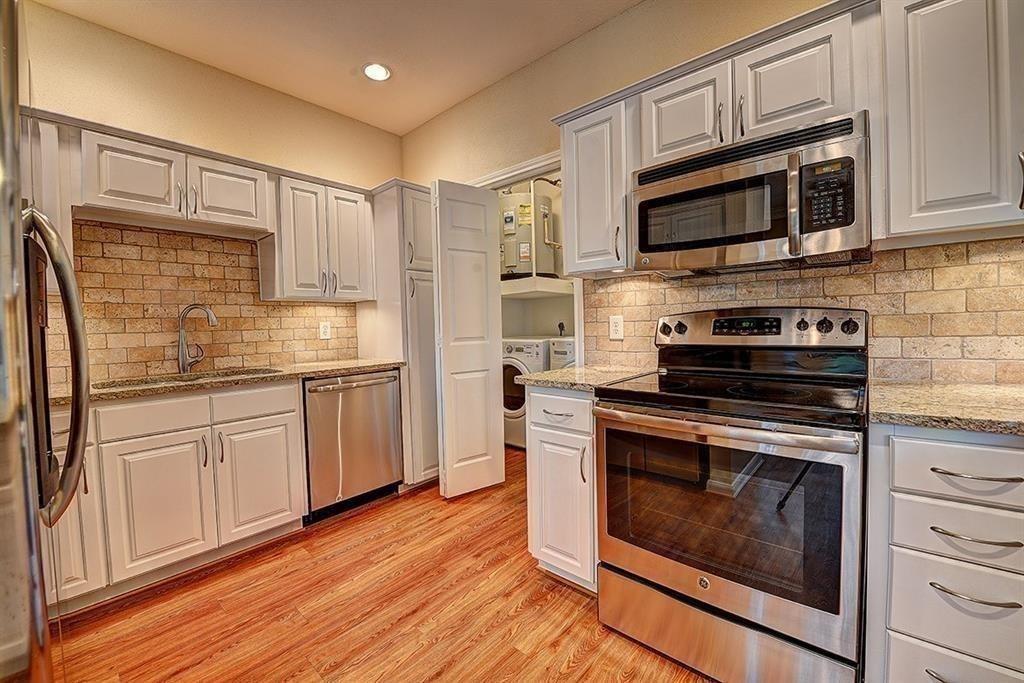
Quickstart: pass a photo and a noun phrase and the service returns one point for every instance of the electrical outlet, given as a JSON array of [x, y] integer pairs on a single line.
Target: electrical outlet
[[325, 329], [615, 332]]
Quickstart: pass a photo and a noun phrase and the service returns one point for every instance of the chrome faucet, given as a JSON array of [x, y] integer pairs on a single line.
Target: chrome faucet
[[185, 359]]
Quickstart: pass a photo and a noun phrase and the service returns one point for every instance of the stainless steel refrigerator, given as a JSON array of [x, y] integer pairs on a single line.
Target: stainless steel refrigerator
[[36, 486]]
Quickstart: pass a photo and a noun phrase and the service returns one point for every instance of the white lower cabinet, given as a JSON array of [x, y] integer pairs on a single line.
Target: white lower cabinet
[[159, 494], [561, 490], [422, 375], [259, 477]]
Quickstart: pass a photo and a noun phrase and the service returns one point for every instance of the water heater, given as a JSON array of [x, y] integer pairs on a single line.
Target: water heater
[[521, 244]]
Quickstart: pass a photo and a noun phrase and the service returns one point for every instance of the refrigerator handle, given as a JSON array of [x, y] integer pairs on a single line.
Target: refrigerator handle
[[63, 267]]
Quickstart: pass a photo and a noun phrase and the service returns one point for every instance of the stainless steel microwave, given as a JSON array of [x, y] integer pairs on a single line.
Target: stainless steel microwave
[[778, 199]]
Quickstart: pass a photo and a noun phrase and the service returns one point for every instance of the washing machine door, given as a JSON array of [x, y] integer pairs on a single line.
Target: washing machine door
[[514, 395]]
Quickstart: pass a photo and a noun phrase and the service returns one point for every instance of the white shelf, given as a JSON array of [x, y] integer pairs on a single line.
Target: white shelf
[[534, 287]]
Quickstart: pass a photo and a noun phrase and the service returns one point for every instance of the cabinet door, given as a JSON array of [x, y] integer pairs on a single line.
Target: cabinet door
[[220, 192], [800, 79], [955, 99], [687, 115], [122, 174], [349, 247], [560, 495], [418, 227], [259, 475], [422, 375], [80, 562], [158, 494], [596, 184], [303, 239]]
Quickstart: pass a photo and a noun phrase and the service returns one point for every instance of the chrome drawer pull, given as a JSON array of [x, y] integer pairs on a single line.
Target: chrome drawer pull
[[988, 603], [961, 537], [551, 414], [583, 452], [976, 477], [935, 677]]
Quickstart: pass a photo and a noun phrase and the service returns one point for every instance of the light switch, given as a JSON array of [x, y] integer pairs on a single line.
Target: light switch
[[615, 327], [325, 329]]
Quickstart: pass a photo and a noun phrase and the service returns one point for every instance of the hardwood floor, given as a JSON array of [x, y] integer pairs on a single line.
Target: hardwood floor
[[415, 589]]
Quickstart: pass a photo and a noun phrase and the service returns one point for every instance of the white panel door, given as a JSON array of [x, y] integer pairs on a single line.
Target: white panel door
[[80, 546], [158, 493], [349, 247], [418, 225], [303, 239], [596, 185], [422, 374], [560, 495], [259, 475], [122, 174], [468, 305], [800, 79], [220, 192], [955, 84], [687, 115]]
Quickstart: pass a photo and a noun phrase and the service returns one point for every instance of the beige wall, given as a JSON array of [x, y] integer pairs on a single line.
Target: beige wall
[[510, 121], [83, 70]]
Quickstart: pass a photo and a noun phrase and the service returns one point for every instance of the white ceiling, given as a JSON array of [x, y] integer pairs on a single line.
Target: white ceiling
[[440, 51]]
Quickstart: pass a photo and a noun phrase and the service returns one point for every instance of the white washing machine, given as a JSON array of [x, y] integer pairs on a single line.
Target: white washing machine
[[522, 355], [561, 353]]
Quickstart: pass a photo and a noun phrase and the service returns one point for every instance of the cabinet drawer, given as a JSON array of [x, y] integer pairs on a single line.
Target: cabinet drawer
[[916, 461], [564, 412], [241, 405], [152, 417], [909, 658], [914, 517], [921, 610]]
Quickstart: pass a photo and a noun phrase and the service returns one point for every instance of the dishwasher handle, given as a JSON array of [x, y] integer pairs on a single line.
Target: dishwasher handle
[[328, 388]]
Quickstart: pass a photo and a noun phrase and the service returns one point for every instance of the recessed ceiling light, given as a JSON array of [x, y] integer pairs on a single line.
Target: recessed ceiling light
[[376, 72]]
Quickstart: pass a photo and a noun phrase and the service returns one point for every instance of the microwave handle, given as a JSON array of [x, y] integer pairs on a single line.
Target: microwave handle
[[793, 204]]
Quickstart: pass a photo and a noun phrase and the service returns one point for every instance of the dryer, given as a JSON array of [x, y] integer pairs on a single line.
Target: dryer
[[561, 353], [522, 355]]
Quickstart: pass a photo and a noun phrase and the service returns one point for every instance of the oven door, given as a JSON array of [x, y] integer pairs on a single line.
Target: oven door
[[762, 520]]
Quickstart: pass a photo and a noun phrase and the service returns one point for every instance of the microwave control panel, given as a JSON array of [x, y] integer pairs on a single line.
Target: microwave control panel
[[826, 191]]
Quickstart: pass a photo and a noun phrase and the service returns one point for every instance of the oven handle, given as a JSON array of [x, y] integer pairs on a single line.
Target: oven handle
[[831, 444]]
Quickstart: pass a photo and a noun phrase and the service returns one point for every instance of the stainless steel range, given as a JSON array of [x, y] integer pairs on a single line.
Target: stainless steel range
[[730, 487]]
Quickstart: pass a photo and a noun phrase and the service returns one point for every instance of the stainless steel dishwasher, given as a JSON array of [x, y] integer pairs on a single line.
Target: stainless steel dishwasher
[[353, 437]]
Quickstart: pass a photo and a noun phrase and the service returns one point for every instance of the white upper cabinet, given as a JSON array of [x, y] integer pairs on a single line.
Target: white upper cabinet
[[122, 174], [417, 222], [802, 78], [220, 192], [349, 247], [955, 98], [596, 153], [302, 239], [687, 115]]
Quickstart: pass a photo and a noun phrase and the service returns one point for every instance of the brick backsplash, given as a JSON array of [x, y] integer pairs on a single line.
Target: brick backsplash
[[949, 313], [135, 281]]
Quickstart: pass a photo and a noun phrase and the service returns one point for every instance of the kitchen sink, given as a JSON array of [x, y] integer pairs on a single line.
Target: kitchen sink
[[182, 378]]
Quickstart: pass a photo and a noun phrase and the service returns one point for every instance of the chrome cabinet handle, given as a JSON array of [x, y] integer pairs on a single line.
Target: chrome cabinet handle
[[961, 537], [412, 284], [793, 204], [1020, 157], [553, 414], [411, 248], [220, 439], [721, 133], [334, 283], [935, 677], [195, 200], [618, 229], [181, 195], [739, 109], [205, 453], [583, 452], [64, 270], [976, 477], [323, 276], [988, 603]]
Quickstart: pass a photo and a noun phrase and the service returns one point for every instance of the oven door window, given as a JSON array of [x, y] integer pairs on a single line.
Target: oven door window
[[771, 523], [736, 212]]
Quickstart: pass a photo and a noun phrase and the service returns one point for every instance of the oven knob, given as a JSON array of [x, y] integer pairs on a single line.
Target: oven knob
[[666, 329], [825, 325], [849, 326], [680, 327], [802, 325]]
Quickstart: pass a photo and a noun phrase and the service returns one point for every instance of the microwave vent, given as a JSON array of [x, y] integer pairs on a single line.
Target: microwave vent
[[838, 258]]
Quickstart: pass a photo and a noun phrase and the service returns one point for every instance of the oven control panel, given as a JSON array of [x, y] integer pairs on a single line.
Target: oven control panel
[[765, 326], [744, 327]]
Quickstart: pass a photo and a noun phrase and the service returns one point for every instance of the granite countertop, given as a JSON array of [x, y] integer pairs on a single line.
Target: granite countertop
[[582, 378], [994, 408], [60, 394]]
